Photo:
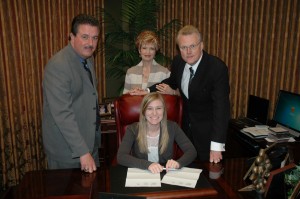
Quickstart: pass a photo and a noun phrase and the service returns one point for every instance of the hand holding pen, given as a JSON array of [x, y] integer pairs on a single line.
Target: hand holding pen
[[171, 165]]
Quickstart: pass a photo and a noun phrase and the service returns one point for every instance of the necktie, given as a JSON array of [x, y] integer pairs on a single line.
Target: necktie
[[191, 75], [87, 70]]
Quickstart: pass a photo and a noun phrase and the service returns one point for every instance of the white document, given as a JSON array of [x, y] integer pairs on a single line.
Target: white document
[[254, 131], [185, 177], [278, 129], [142, 178], [291, 139]]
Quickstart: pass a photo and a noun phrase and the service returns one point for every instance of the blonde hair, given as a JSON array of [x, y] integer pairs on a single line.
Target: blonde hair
[[188, 30], [142, 132], [147, 37]]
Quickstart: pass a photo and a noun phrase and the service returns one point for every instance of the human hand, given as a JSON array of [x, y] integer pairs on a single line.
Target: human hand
[[87, 163], [172, 164], [137, 91], [215, 156], [165, 89], [155, 168]]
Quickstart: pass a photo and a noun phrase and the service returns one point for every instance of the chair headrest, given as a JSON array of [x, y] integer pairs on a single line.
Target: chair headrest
[[128, 108]]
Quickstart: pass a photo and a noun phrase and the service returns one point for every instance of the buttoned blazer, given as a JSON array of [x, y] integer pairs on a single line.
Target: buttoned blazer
[[69, 107], [207, 110]]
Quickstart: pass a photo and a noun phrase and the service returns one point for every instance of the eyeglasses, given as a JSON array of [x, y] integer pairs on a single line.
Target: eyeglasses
[[191, 47], [87, 37]]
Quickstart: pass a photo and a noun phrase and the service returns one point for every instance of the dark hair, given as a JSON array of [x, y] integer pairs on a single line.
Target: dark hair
[[83, 19]]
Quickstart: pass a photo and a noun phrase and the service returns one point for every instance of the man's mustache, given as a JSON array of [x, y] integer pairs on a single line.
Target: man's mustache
[[91, 47]]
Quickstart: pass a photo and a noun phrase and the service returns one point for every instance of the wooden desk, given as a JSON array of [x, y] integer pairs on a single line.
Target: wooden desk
[[59, 184], [74, 184], [241, 145], [108, 149], [117, 179]]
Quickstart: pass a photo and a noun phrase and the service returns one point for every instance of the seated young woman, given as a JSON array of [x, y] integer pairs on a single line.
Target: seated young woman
[[148, 144]]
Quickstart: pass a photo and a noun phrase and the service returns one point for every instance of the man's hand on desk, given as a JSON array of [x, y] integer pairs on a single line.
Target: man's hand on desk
[[87, 163], [215, 156]]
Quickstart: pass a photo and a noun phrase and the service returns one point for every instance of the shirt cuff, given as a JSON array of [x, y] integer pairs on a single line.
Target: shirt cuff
[[216, 146]]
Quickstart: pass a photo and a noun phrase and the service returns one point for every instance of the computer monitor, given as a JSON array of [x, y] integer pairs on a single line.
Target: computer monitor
[[287, 112], [258, 109]]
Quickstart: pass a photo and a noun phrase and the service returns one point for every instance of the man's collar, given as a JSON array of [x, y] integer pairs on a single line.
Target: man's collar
[[195, 66]]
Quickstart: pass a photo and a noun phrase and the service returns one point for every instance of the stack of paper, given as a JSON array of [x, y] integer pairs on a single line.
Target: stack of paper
[[271, 138], [256, 132], [186, 177], [278, 134], [142, 178], [279, 137], [278, 130]]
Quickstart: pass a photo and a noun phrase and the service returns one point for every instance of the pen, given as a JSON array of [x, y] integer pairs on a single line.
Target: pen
[[170, 169]]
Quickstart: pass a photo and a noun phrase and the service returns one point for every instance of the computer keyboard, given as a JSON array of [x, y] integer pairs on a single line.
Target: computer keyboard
[[248, 122], [237, 123]]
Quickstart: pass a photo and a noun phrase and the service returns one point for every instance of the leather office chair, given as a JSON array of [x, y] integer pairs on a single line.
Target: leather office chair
[[127, 111]]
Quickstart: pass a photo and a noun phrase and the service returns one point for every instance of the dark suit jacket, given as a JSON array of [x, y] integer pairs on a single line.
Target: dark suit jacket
[[69, 108], [206, 113]]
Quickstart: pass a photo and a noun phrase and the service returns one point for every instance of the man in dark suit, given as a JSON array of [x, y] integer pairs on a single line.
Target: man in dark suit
[[71, 133], [205, 94]]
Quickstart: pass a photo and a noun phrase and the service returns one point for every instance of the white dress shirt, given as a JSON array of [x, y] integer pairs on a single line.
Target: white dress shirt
[[186, 77]]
